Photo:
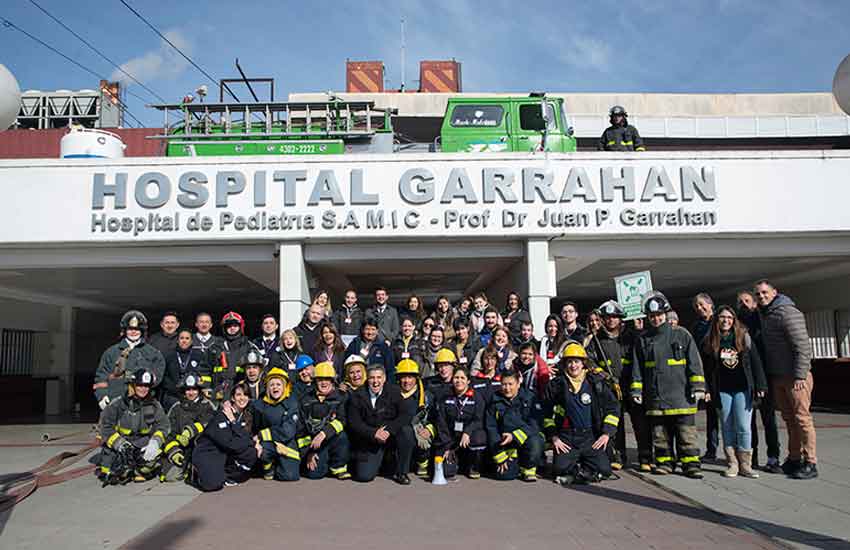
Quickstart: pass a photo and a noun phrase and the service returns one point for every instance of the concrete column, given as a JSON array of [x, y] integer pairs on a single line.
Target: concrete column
[[540, 269], [59, 394], [294, 289]]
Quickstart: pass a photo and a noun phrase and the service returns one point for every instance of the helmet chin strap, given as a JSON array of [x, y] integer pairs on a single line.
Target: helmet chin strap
[[133, 341]]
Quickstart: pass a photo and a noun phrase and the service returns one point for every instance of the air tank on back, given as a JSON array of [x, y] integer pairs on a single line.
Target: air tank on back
[[10, 98], [841, 85]]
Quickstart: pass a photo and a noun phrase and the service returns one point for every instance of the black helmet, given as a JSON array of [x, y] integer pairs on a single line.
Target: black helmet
[[617, 110], [134, 319], [253, 357], [190, 380], [656, 303], [611, 308], [144, 377]]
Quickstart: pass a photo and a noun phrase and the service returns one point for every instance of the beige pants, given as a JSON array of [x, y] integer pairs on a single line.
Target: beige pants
[[794, 407]]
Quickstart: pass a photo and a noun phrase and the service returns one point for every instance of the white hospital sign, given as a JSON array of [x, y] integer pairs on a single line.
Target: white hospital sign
[[427, 195]]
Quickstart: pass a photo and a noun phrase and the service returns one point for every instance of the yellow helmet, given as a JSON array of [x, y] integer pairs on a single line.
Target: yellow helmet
[[276, 372], [575, 351], [445, 355], [324, 369], [407, 366]]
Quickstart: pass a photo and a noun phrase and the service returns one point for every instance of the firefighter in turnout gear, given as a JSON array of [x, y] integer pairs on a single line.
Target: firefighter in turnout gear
[[276, 422], [252, 364], [187, 418], [461, 438], [513, 433], [321, 432], [610, 350], [224, 355], [620, 136], [133, 429], [581, 416], [440, 385], [120, 361], [668, 380], [418, 404]]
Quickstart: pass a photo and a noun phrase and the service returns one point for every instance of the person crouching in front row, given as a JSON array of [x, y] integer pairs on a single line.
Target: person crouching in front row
[[276, 424], [582, 415], [225, 453], [513, 433], [378, 422], [321, 434]]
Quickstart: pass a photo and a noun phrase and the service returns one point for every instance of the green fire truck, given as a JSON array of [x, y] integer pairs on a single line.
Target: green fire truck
[[531, 123]]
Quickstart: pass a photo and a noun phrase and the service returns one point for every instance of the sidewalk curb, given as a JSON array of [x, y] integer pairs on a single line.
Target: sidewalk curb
[[727, 519]]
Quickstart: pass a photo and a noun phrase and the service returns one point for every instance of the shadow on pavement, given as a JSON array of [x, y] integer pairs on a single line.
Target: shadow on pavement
[[773, 530], [166, 535]]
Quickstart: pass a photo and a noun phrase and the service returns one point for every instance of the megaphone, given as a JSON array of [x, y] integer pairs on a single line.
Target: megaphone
[[439, 476]]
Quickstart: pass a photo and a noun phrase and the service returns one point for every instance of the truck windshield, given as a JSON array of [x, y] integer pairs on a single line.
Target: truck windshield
[[477, 115]]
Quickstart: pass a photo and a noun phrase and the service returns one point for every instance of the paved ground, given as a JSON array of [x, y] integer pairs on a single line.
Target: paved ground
[[331, 514], [381, 515], [803, 514], [77, 514]]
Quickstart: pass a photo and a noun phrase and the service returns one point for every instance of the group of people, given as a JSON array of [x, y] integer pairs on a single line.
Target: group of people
[[466, 389]]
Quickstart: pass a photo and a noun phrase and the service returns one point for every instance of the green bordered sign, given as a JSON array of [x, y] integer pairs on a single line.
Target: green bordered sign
[[631, 289]]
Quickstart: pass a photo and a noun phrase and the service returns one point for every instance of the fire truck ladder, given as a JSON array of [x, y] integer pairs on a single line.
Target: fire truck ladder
[[306, 120]]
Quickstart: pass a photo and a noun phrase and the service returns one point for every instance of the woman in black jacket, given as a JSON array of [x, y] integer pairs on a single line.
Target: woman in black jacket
[[514, 315], [225, 453], [736, 379], [460, 427]]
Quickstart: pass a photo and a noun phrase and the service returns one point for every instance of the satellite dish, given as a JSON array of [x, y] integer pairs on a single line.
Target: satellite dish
[[10, 98], [841, 85]]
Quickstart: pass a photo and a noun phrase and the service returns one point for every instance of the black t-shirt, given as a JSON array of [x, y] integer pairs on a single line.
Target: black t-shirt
[[730, 369]]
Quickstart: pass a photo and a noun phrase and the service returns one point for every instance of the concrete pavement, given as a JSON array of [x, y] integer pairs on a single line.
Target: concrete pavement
[[713, 513], [330, 514], [803, 514]]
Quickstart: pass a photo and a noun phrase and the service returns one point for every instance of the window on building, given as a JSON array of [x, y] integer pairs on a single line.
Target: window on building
[[17, 350]]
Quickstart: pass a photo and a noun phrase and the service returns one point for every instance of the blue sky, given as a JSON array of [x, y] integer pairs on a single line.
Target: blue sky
[[640, 46]]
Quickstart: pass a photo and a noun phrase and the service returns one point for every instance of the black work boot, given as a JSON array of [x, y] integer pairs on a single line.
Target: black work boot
[[806, 471], [789, 467]]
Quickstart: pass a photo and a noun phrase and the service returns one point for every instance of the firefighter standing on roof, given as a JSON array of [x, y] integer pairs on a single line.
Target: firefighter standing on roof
[[620, 136], [668, 379]]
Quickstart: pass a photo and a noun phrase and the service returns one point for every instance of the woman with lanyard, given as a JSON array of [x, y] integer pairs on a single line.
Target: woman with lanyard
[[553, 343], [329, 347], [501, 345], [460, 427], [464, 344], [444, 316], [183, 359], [487, 381], [436, 342], [407, 345], [290, 349]]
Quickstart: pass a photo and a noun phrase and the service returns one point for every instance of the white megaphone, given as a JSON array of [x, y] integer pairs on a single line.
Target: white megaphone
[[439, 477]]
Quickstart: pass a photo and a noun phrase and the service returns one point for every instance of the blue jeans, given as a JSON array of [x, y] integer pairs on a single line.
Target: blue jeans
[[735, 418]]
